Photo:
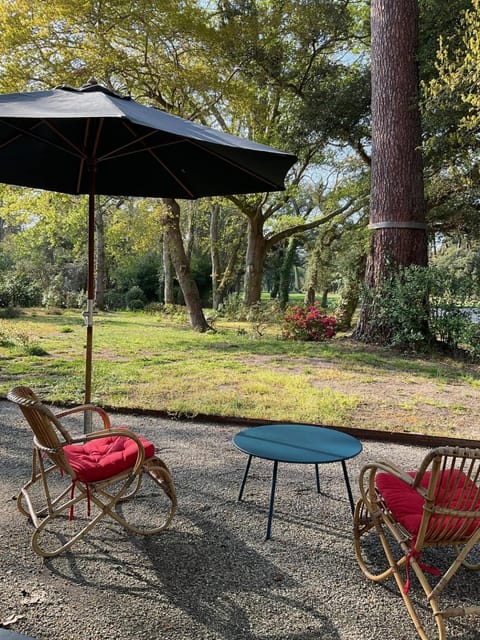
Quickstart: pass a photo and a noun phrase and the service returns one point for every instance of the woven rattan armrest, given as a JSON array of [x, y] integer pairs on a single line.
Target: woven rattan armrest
[[87, 407]]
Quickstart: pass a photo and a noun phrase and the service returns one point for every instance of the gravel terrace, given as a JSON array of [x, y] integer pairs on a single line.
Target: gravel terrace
[[211, 576]]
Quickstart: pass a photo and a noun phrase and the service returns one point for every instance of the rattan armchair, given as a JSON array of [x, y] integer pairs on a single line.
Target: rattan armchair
[[114, 472], [436, 506]]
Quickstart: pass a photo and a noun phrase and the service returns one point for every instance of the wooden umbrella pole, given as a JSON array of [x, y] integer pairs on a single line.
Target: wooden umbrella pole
[[90, 297]]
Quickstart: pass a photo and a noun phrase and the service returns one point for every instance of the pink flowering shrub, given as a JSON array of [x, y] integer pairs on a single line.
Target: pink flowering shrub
[[308, 323]]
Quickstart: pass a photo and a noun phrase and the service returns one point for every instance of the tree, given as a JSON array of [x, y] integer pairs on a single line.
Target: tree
[[149, 48], [397, 205], [171, 222], [290, 86], [451, 101]]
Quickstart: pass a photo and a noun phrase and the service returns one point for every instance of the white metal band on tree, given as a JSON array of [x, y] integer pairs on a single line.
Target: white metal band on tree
[[394, 224]]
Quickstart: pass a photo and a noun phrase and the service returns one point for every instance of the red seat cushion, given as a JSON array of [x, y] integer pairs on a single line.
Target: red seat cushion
[[105, 457], [453, 491]]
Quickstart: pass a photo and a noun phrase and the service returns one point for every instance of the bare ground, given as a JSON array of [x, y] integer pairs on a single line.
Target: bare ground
[[440, 397]]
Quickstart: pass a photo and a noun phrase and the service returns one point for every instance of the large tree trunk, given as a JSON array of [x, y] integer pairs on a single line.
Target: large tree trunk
[[397, 214], [231, 274], [101, 276], [255, 259], [214, 253], [310, 295], [168, 294], [286, 271], [189, 232], [182, 268], [350, 295]]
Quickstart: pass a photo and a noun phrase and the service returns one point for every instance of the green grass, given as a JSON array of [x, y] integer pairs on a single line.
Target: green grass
[[151, 362]]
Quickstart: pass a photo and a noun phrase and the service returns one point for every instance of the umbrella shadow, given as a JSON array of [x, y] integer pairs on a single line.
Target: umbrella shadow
[[212, 577]]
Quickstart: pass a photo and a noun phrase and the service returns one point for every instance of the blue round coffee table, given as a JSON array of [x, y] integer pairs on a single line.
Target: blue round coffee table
[[296, 443]]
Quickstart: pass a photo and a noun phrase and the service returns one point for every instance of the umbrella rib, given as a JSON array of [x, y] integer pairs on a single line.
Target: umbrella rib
[[82, 160], [29, 133], [155, 157], [81, 154], [234, 164], [114, 153]]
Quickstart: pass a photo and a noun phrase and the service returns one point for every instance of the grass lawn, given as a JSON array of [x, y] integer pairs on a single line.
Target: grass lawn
[[152, 362]]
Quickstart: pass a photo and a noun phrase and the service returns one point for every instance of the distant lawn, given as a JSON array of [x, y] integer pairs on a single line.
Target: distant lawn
[[152, 362]]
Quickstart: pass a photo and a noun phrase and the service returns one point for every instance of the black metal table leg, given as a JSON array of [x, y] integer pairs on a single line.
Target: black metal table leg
[[349, 489], [272, 499], [247, 469]]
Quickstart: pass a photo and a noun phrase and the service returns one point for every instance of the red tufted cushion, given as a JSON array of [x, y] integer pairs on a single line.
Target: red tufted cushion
[[103, 458], [453, 491]]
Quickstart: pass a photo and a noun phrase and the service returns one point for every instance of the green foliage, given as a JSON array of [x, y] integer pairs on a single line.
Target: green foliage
[[54, 294], [114, 300], [175, 312], [263, 314], [233, 308], [154, 308], [135, 298], [16, 289], [400, 309], [35, 350], [10, 312], [420, 306]]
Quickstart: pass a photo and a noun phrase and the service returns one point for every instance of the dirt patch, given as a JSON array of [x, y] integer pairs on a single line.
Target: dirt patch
[[392, 399]]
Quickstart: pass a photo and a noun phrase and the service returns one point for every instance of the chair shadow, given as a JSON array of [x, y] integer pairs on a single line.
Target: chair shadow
[[207, 573]]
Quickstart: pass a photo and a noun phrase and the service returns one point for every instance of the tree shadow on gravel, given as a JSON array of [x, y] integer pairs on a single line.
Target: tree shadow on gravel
[[207, 574]]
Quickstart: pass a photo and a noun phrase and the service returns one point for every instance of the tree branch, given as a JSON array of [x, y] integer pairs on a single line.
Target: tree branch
[[300, 228]]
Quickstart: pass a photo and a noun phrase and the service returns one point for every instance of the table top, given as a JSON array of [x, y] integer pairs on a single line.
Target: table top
[[297, 443]]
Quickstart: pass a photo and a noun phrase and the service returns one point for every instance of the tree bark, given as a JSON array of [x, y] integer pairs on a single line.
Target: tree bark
[[182, 268], [255, 259], [310, 295], [286, 271], [100, 264], [214, 253], [231, 274], [168, 294], [397, 210]]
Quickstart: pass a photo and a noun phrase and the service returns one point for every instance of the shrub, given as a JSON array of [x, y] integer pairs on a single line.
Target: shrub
[[232, 308], [17, 290], [114, 300], [419, 307], [9, 313], [175, 311], [136, 304], [35, 350], [154, 308], [135, 298], [471, 339], [308, 323], [262, 314]]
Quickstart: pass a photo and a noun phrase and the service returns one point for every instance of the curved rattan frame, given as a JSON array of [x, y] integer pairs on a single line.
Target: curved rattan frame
[[50, 436], [372, 515]]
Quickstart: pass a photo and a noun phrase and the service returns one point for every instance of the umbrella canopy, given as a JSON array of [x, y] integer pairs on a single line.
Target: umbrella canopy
[[93, 141], [53, 139]]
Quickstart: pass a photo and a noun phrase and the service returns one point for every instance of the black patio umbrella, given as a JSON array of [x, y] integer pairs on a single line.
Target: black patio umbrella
[[93, 141]]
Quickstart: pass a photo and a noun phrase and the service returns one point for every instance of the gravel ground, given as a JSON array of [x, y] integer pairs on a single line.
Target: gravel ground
[[212, 575]]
